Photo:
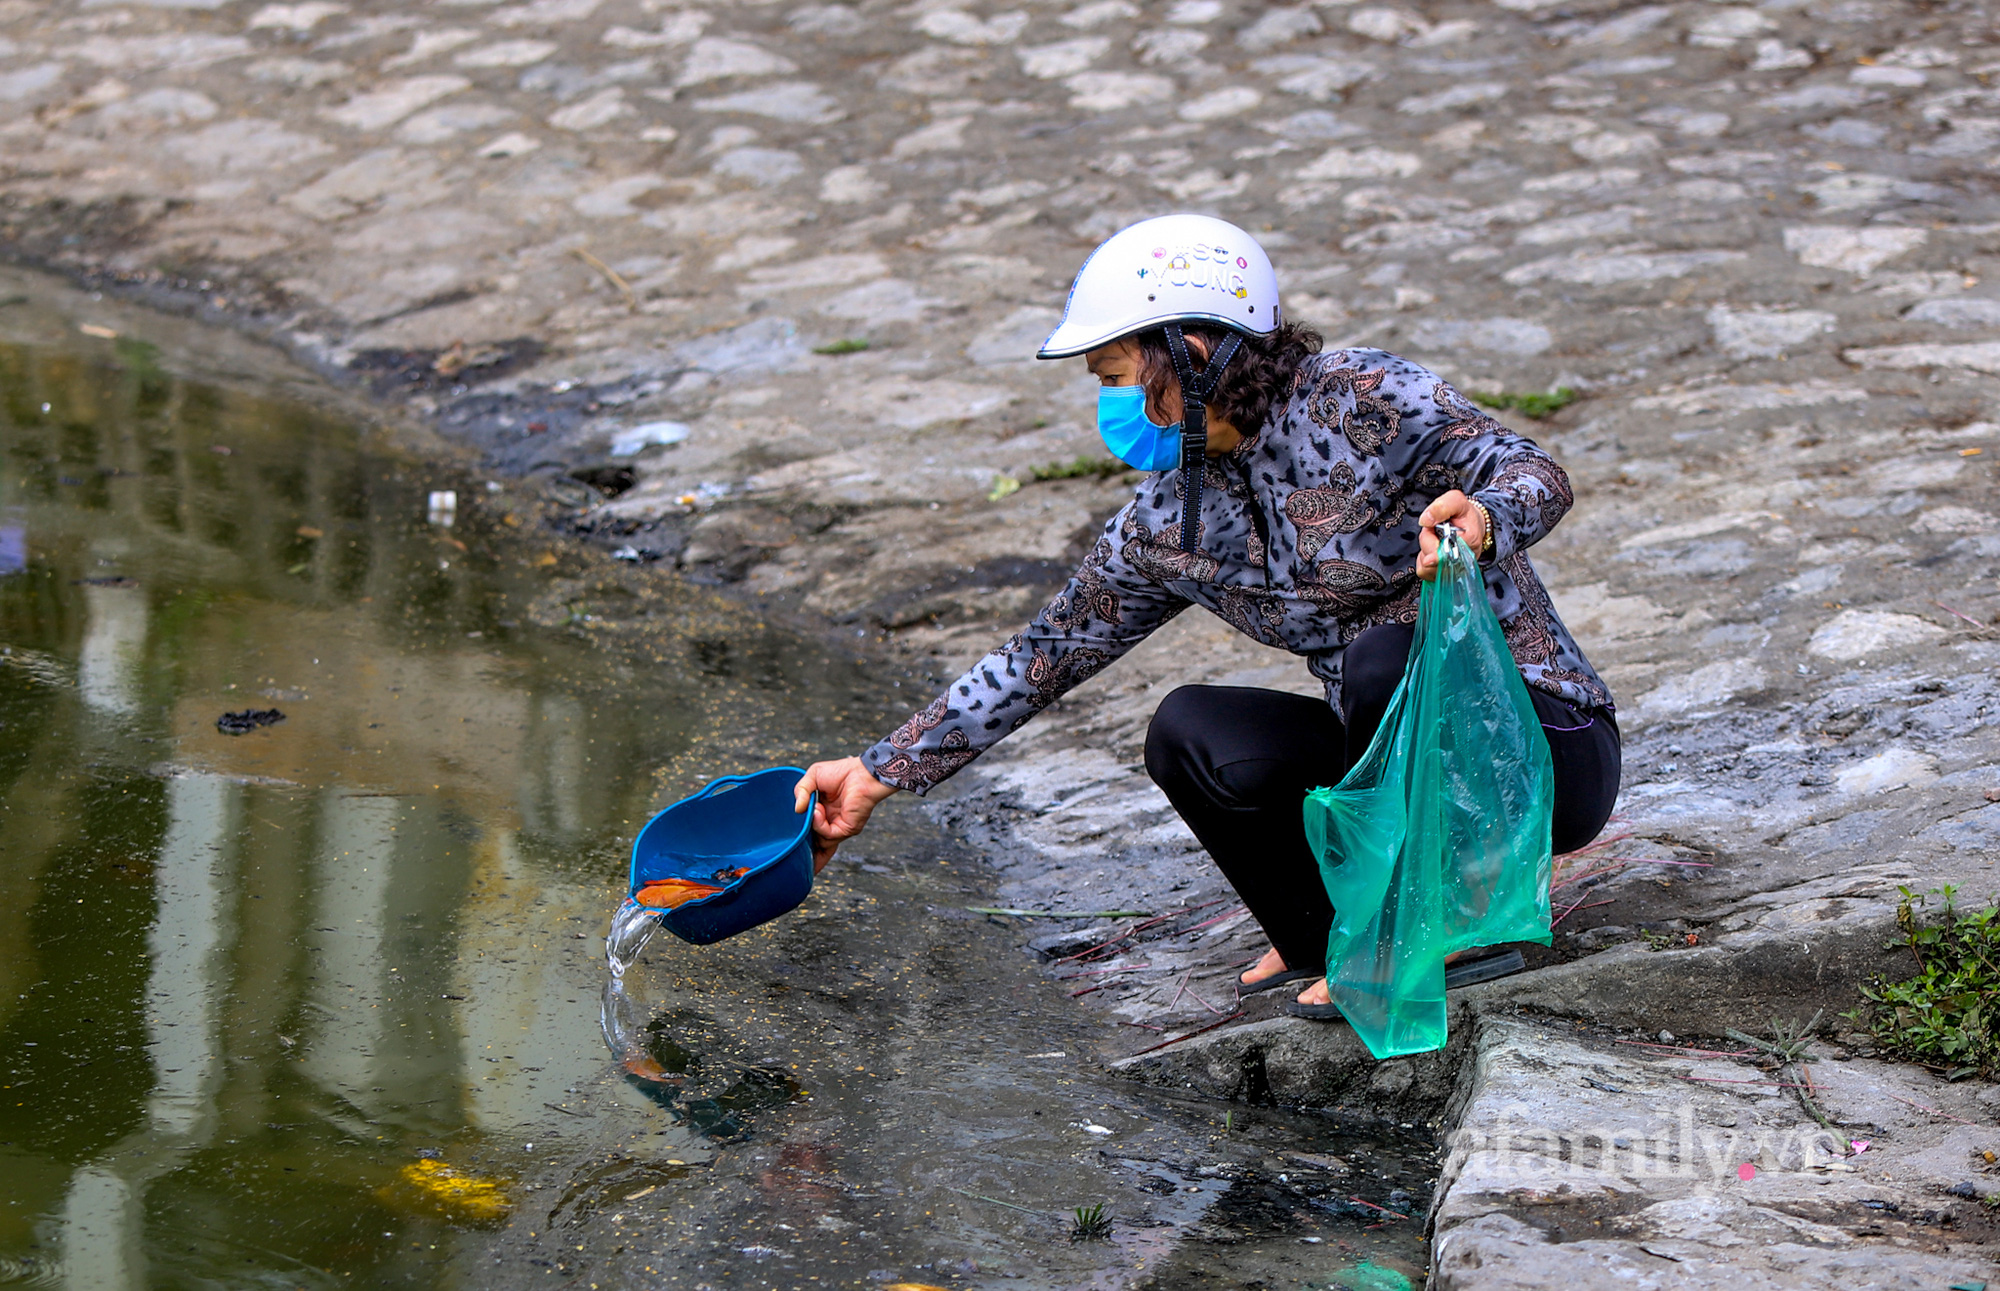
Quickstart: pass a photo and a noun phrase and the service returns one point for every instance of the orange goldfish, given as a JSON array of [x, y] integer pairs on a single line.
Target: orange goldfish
[[645, 1067], [672, 894]]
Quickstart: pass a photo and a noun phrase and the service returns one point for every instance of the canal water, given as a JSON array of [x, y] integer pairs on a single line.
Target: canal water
[[317, 1005]]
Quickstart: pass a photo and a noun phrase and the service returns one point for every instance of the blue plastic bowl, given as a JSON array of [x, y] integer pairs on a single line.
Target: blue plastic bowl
[[736, 821]]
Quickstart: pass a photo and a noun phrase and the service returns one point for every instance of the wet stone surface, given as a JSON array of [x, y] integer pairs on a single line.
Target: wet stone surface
[[318, 1001]]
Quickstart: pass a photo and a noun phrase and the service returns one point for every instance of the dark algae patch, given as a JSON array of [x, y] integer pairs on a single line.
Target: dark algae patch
[[247, 720]]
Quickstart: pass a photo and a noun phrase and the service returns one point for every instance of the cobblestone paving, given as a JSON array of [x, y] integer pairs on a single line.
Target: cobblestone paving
[[672, 205], [1759, 242]]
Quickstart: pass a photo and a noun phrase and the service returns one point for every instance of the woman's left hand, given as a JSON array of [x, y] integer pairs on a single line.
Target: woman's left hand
[[1456, 510]]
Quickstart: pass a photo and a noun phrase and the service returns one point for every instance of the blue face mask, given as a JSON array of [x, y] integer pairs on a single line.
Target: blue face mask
[[1134, 438]]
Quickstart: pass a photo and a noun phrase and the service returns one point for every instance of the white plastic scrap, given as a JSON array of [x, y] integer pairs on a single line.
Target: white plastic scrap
[[443, 506], [705, 493], [631, 442]]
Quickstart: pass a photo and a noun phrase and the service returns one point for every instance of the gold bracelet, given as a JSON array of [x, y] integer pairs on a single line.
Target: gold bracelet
[[1486, 547]]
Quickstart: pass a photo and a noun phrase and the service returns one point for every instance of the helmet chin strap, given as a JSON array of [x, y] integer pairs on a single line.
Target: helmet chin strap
[[1196, 387]]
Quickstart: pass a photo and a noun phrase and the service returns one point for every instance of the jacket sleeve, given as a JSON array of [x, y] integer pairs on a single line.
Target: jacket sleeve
[[1520, 486], [1106, 608]]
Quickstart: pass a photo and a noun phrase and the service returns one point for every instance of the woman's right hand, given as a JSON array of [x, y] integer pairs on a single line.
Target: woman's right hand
[[848, 795]]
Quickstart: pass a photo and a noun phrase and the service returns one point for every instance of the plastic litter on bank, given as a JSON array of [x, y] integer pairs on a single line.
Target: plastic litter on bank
[[634, 440]]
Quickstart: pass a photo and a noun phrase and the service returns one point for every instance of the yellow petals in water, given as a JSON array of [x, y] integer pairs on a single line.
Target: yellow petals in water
[[461, 1197]]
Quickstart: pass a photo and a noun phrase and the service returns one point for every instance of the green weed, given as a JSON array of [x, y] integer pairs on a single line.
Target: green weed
[[845, 345], [1092, 1224], [1944, 1016], [1083, 468], [1533, 403]]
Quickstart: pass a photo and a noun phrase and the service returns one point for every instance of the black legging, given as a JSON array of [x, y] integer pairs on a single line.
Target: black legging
[[1237, 762]]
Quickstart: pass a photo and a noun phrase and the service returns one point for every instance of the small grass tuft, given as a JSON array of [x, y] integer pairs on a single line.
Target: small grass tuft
[[1092, 1224], [1789, 1049], [1944, 1016], [845, 345], [1082, 468], [1536, 404], [1789, 1042]]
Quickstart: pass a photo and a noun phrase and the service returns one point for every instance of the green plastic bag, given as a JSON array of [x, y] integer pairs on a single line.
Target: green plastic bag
[[1438, 839]]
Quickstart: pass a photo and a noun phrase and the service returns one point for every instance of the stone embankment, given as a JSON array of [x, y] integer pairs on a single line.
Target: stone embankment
[[643, 243]]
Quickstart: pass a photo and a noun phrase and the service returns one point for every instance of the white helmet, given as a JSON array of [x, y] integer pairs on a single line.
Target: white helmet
[[1172, 268]]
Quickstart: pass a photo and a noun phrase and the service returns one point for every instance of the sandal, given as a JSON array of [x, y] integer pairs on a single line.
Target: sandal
[[1484, 969], [1283, 977], [1314, 1012], [1464, 973]]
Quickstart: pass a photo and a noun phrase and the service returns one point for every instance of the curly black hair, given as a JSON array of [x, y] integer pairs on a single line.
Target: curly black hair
[[1259, 376]]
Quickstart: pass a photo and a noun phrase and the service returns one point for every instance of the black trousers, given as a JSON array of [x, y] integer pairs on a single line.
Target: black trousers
[[1237, 762]]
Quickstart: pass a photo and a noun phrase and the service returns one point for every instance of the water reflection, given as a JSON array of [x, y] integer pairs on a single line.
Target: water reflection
[[244, 978], [114, 641], [103, 1216]]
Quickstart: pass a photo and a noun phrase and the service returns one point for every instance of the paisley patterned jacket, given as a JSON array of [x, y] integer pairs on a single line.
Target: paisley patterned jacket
[[1308, 538]]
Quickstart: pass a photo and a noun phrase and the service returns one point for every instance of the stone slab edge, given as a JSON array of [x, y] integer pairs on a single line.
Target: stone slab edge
[[1742, 981]]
